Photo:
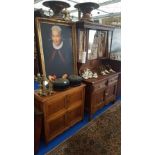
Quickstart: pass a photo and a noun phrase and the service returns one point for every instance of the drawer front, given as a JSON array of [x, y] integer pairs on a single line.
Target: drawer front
[[54, 127], [74, 97], [100, 85], [55, 106], [74, 115], [113, 80]]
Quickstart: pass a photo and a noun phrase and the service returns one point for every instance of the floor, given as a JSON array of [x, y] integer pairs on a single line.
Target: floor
[[70, 132], [102, 136]]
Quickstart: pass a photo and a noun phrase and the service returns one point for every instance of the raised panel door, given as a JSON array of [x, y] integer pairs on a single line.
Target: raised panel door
[[110, 93], [98, 100], [74, 98], [55, 106], [54, 127], [74, 115]]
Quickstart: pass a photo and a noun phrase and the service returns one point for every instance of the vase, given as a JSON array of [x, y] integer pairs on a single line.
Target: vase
[[86, 8], [56, 7]]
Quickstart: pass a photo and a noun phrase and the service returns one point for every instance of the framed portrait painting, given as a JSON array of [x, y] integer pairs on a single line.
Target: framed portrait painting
[[56, 42]]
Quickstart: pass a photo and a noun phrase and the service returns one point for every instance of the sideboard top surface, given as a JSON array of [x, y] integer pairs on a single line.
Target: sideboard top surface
[[56, 93]]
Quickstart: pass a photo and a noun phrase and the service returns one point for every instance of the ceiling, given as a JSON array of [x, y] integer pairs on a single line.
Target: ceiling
[[107, 7]]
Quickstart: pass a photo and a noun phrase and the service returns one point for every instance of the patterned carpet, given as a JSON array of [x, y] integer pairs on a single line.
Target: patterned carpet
[[102, 136]]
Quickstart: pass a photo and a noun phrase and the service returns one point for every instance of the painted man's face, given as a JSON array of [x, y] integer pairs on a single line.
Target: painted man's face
[[56, 37]]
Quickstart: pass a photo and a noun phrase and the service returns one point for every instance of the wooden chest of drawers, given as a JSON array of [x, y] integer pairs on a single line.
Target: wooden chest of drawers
[[100, 92], [61, 110]]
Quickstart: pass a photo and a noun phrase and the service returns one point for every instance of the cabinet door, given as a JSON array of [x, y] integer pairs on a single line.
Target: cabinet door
[[98, 100], [110, 93], [55, 106], [74, 98], [74, 115], [54, 127]]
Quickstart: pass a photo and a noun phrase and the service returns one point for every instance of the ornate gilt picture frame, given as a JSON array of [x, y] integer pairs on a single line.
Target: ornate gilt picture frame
[[57, 46]]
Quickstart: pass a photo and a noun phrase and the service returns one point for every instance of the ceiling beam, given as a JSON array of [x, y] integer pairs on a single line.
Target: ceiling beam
[[37, 1], [109, 2], [108, 15]]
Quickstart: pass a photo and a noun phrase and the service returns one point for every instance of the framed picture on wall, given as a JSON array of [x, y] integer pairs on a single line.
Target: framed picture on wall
[[56, 41]]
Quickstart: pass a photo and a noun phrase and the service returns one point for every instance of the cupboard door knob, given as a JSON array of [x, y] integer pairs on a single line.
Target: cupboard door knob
[[106, 94]]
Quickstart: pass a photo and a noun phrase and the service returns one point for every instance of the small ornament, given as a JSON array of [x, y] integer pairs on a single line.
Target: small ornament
[[87, 74], [103, 73], [44, 84], [66, 14], [106, 71], [111, 70], [39, 80], [50, 86], [95, 75], [64, 76]]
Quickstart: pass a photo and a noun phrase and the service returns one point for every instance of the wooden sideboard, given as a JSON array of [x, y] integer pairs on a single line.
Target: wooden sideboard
[[61, 110], [100, 92]]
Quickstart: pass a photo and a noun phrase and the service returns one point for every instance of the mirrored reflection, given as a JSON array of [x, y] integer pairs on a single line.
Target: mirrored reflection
[[97, 44], [82, 46], [93, 45]]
